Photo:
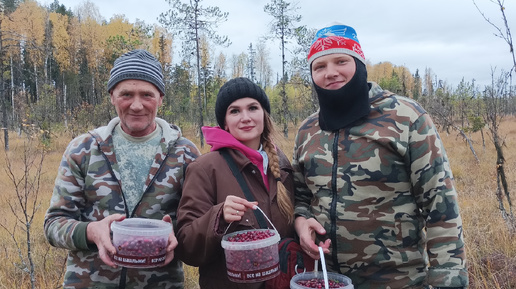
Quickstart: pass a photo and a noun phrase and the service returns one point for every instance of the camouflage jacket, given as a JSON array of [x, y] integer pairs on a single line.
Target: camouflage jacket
[[383, 190], [88, 188]]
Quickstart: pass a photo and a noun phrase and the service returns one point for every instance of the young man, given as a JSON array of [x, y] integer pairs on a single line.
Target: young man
[[133, 167], [372, 179]]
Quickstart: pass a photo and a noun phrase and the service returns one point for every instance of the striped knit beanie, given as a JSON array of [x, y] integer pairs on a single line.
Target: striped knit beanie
[[235, 89], [337, 38], [137, 64]]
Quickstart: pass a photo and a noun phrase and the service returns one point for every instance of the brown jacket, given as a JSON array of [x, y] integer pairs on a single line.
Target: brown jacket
[[200, 224]]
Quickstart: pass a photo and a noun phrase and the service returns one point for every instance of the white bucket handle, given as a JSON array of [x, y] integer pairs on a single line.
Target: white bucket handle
[[254, 208], [323, 265]]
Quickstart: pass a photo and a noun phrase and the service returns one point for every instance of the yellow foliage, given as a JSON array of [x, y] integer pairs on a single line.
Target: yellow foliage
[[385, 70], [61, 40], [119, 25], [204, 48], [28, 26], [161, 45], [93, 39]]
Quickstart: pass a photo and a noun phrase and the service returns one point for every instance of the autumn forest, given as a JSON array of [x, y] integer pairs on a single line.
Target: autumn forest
[[55, 64]]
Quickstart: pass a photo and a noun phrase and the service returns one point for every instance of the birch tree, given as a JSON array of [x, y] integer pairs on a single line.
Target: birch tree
[[238, 64], [92, 39], [2, 86], [263, 66], [29, 22]]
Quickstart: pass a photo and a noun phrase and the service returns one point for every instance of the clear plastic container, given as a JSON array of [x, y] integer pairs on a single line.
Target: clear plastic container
[[140, 243], [251, 261], [344, 282]]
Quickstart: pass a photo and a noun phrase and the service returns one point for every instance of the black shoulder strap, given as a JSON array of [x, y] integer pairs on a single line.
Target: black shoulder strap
[[243, 185]]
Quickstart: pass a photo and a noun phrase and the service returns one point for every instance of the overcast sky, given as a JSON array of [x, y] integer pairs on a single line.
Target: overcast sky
[[448, 36]]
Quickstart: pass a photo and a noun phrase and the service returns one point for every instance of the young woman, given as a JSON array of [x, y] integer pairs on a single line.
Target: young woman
[[213, 203]]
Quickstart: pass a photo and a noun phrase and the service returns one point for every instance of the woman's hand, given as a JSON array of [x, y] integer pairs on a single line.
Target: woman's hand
[[234, 208]]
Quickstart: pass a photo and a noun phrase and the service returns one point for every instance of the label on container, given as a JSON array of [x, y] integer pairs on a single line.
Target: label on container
[[138, 261], [255, 275]]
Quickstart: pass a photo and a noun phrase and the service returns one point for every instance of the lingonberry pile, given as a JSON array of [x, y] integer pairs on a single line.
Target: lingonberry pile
[[249, 236], [247, 260], [319, 283], [140, 246]]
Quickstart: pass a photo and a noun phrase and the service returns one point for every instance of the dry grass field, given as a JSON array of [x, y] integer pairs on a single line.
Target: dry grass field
[[491, 248]]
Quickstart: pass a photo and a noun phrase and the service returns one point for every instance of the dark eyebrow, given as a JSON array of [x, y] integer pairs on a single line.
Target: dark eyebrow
[[250, 104], [316, 63], [232, 106], [124, 91], [149, 92], [253, 103]]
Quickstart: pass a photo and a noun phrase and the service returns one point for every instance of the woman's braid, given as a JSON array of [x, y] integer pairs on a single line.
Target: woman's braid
[[284, 202]]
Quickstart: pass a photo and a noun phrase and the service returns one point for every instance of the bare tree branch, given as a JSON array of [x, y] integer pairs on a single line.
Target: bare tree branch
[[26, 203]]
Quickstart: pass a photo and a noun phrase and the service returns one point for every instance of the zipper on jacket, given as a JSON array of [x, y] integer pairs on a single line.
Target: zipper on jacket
[[123, 272], [110, 168], [333, 205], [150, 184]]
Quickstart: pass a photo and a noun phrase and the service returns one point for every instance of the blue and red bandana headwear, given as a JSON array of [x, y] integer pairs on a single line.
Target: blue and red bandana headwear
[[337, 38]]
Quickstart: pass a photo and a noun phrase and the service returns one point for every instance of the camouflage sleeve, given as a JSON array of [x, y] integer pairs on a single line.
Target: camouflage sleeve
[[437, 200], [303, 195], [190, 153], [61, 225]]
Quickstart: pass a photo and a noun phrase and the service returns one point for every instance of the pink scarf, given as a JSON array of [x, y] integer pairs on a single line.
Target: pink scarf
[[218, 138]]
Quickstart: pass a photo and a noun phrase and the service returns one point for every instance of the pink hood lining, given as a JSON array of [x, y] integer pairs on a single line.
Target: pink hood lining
[[218, 138]]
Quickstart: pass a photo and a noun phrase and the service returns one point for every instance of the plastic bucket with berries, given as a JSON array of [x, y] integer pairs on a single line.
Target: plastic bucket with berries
[[316, 280], [252, 255], [320, 279], [140, 243]]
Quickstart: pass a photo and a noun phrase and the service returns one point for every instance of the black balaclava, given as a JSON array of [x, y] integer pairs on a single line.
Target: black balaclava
[[344, 106]]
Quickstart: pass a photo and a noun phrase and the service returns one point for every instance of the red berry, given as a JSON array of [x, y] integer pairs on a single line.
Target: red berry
[[319, 283], [249, 236], [142, 246]]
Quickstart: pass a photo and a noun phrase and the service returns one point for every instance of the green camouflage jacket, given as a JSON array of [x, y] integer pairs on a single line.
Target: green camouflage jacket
[[88, 188], [383, 190]]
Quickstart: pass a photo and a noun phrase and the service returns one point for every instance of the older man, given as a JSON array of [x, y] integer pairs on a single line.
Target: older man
[[133, 167]]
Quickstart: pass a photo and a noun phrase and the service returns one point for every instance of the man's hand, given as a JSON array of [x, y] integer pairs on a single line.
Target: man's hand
[[172, 242], [307, 230], [99, 233]]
